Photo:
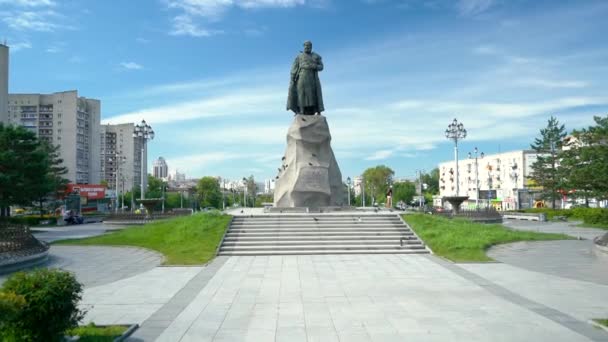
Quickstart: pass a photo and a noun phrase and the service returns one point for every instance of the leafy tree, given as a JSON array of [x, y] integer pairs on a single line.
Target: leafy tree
[[50, 183], [22, 162], [432, 181], [155, 187], [404, 191], [545, 169], [584, 162], [208, 192], [252, 189], [377, 180]]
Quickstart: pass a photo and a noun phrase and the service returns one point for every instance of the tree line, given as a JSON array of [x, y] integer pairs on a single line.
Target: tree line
[[573, 165]]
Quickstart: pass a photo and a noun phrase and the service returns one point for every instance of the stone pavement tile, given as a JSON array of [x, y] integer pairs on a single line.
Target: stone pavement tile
[[583, 300], [321, 333], [291, 334]]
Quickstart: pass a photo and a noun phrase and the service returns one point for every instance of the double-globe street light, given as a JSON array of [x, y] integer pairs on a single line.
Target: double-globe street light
[[143, 132], [455, 132], [476, 174]]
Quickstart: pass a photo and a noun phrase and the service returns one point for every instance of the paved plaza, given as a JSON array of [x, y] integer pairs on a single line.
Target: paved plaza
[[541, 291]]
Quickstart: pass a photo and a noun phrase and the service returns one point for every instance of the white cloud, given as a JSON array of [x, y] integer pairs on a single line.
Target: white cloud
[[28, 3], [212, 10], [31, 21], [473, 7], [131, 66], [201, 163], [242, 102], [542, 83], [485, 50], [380, 155], [20, 46], [184, 26]]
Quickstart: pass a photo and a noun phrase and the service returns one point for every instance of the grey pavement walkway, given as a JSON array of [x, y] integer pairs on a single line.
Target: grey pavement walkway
[[568, 228], [95, 265], [378, 298], [575, 259]]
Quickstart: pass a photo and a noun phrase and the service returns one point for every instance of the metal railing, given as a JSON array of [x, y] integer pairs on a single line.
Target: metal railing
[[481, 214]]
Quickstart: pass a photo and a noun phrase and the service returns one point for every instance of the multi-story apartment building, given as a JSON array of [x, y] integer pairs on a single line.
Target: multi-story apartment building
[[161, 170], [66, 120], [3, 83], [503, 179], [119, 157]]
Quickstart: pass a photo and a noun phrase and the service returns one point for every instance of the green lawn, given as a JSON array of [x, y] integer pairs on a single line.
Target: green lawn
[[190, 240], [462, 240], [92, 333]]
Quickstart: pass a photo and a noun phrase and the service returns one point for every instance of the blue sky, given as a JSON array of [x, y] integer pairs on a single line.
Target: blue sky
[[211, 76]]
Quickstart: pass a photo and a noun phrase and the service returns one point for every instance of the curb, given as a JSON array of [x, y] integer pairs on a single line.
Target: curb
[[25, 262], [127, 333]]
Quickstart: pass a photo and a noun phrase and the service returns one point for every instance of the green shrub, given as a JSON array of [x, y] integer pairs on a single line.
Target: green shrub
[[32, 220], [51, 305], [10, 306]]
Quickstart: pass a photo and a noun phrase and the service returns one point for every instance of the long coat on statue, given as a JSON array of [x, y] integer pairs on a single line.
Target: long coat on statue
[[305, 86]]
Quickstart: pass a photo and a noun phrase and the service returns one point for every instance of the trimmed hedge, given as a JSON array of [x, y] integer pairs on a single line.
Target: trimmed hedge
[[50, 308], [32, 220], [598, 216]]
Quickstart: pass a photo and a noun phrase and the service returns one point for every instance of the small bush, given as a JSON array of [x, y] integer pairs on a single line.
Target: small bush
[[51, 305], [10, 306]]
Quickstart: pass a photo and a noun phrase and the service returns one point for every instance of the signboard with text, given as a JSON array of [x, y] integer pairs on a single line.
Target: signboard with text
[[88, 191]]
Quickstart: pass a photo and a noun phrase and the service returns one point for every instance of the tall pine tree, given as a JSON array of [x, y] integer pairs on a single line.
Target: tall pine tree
[[584, 164], [545, 170]]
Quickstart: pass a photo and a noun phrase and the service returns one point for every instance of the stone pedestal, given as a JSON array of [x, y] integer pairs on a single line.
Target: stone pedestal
[[309, 175]]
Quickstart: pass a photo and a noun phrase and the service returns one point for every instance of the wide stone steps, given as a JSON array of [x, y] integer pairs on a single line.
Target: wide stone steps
[[319, 234]]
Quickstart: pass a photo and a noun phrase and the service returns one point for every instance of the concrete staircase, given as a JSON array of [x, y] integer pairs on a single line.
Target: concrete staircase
[[320, 234]]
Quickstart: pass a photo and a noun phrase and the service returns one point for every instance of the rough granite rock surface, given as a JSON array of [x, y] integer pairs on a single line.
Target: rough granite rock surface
[[309, 175]]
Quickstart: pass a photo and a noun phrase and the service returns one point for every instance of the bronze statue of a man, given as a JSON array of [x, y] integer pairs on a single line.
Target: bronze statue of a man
[[305, 96]]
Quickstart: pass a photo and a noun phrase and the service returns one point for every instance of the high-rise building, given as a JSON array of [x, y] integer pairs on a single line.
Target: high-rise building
[[3, 83], [161, 170], [66, 120], [118, 154]]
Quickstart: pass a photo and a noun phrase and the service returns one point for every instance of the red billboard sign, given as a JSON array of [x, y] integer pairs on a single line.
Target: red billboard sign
[[90, 191]]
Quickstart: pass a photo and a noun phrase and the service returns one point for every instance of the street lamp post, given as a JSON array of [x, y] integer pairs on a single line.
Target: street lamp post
[[143, 132], [363, 191], [455, 132], [244, 192], [118, 160], [348, 183], [223, 194], [476, 175]]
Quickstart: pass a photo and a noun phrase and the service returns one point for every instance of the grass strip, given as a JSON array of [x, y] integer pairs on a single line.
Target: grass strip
[[603, 322], [190, 240], [461, 240], [93, 333]]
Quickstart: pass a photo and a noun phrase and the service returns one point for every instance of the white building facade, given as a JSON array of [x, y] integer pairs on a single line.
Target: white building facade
[[66, 120], [500, 180]]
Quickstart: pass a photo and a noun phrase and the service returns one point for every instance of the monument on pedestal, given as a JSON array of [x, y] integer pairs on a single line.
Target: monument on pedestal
[[309, 175]]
